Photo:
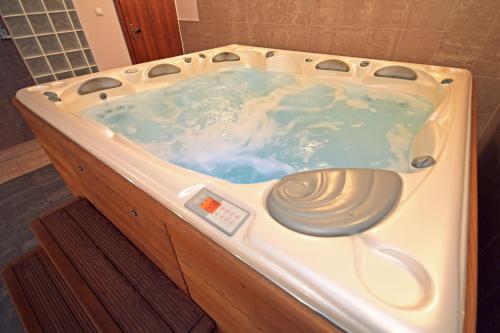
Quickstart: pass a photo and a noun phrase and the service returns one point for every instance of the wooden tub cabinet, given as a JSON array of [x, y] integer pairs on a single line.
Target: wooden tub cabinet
[[237, 297]]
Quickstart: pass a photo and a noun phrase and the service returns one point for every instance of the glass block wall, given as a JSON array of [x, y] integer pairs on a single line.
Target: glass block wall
[[49, 38]]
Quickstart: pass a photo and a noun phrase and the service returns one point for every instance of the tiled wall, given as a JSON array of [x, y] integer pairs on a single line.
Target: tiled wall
[[456, 33], [49, 37]]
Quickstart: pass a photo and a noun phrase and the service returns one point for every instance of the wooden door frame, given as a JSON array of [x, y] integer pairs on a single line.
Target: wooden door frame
[[126, 32], [124, 26]]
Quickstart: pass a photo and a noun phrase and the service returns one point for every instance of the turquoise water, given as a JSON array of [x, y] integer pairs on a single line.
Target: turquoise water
[[249, 126]]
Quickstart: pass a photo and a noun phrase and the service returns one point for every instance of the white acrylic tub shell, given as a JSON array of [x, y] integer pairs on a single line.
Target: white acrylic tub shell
[[405, 274]]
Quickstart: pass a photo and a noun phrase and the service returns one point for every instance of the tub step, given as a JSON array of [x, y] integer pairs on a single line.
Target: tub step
[[42, 298], [119, 288]]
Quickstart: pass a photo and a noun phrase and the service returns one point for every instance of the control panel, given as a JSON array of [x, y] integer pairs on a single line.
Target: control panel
[[219, 212]]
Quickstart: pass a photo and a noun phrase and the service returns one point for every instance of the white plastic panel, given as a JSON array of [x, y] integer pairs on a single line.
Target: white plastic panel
[[330, 275]]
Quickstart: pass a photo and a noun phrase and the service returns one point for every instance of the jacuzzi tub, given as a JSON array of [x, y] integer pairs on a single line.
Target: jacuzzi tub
[[404, 273]]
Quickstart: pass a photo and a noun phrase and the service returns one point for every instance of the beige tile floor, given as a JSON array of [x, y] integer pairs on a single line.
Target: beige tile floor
[[22, 159]]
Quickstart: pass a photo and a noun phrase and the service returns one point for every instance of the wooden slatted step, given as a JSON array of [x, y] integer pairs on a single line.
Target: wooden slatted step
[[41, 297], [118, 287]]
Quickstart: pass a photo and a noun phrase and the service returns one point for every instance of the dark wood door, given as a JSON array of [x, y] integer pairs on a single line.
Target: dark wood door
[[151, 28]]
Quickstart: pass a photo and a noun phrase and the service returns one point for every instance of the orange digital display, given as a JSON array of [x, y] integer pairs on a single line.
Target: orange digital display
[[210, 205]]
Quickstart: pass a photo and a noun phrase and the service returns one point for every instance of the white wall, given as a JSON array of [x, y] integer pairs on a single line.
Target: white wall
[[103, 33]]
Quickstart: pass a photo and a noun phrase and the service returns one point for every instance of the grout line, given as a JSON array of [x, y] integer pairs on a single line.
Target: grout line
[[369, 27], [448, 15], [334, 42], [66, 70], [365, 44], [19, 149], [310, 24], [56, 53], [370, 18], [488, 122], [39, 45], [46, 33], [492, 240], [487, 76], [493, 114], [491, 292], [265, 22], [20, 164], [402, 30], [266, 17], [36, 13], [285, 24], [78, 39], [408, 15], [17, 47], [396, 46], [486, 39], [51, 71], [59, 40]]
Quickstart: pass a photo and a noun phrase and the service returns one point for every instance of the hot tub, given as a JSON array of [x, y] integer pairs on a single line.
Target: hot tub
[[344, 181]]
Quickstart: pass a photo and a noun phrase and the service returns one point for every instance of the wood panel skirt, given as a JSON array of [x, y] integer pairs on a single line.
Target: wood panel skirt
[[237, 297]]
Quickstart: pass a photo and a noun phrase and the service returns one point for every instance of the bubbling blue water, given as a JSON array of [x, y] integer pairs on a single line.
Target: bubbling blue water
[[250, 126]]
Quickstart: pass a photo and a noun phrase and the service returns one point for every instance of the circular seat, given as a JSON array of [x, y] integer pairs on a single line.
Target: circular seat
[[334, 202]]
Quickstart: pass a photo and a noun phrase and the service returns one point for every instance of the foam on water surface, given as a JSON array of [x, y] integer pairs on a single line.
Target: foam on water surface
[[249, 126]]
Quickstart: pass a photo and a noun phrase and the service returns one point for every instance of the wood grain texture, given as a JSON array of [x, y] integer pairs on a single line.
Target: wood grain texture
[[67, 175], [159, 35], [115, 277], [21, 159], [231, 291], [73, 304], [205, 324], [267, 306], [229, 318], [89, 301], [238, 290], [18, 150], [20, 299], [267, 303], [124, 304], [124, 26], [161, 293], [137, 216], [472, 245], [41, 298]]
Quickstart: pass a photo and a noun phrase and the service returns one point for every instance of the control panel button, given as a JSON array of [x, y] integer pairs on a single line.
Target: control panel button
[[217, 211]]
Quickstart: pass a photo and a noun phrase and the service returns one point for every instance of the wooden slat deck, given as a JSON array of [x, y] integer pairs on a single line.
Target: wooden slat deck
[[41, 297], [118, 287]]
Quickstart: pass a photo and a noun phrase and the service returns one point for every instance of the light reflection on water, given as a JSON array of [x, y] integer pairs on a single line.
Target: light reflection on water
[[249, 126]]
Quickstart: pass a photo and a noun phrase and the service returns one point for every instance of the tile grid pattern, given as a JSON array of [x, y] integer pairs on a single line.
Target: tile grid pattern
[[454, 33], [49, 38]]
